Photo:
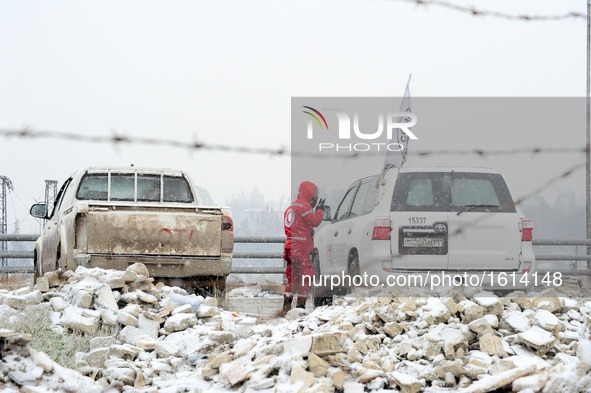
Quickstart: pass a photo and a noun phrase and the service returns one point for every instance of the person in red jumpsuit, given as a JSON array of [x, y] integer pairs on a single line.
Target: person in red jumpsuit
[[299, 221]]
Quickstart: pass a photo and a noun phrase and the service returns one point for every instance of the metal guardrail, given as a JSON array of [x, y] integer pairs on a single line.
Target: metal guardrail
[[258, 270], [235, 269], [16, 269], [18, 238], [560, 258], [256, 239], [17, 254], [562, 242], [279, 255], [237, 255]]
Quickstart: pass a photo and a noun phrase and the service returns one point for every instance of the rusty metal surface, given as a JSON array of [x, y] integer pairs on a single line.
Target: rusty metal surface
[[165, 232]]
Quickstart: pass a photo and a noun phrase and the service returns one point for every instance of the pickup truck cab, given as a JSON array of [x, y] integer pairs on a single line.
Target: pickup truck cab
[[429, 220], [111, 217]]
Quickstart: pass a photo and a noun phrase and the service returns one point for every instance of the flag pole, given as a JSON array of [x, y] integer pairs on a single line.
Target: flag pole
[[397, 158], [408, 85]]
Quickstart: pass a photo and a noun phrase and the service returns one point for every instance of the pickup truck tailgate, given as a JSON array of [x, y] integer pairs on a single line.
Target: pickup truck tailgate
[[154, 231]]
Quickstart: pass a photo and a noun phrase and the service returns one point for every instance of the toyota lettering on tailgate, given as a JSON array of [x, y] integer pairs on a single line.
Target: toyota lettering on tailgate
[[162, 234]]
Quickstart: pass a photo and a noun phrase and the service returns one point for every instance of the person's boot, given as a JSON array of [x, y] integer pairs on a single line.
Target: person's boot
[[286, 306], [301, 303]]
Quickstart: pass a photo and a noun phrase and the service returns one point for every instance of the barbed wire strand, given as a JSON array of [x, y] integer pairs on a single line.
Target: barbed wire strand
[[470, 10], [118, 139], [549, 183]]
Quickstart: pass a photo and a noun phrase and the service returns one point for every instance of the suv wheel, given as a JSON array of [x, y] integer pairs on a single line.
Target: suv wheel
[[320, 294], [354, 269]]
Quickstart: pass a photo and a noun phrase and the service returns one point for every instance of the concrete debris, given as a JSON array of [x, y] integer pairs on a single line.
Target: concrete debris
[[164, 339], [24, 369]]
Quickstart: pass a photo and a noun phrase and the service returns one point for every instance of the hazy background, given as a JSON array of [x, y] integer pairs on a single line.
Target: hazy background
[[224, 73]]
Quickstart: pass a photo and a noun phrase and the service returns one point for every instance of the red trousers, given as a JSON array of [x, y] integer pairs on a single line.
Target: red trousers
[[299, 267]]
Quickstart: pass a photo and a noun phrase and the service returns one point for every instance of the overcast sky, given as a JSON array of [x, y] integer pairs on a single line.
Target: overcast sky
[[224, 72]]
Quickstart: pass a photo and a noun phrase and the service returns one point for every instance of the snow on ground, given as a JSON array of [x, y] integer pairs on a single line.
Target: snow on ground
[[165, 340]]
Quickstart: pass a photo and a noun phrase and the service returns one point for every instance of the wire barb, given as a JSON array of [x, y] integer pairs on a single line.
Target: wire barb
[[117, 139], [495, 14]]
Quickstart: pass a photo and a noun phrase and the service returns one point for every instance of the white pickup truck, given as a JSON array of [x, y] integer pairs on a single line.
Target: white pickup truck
[[112, 217]]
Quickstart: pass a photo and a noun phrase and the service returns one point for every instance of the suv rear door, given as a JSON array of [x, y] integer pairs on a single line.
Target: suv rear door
[[419, 220], [481, 237]]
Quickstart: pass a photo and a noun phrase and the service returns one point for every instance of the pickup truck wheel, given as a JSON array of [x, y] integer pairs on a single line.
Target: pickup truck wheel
[[320, 294], [37, 268], [219, 286], [211, 286], [58, 258]]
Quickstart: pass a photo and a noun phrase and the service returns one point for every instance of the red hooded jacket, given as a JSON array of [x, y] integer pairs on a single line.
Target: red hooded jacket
[[300, 219]]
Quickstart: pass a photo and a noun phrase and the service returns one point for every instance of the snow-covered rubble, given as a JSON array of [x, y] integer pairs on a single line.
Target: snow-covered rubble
[[24, 369], [166, 340]]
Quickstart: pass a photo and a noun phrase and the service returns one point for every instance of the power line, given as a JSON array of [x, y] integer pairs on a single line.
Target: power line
[[20, 200], [27, 217], [470, 10]]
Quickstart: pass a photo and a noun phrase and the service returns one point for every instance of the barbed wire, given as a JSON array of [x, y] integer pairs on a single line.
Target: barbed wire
[[495, 14], [550, 182], [519, 201], [118, 139]]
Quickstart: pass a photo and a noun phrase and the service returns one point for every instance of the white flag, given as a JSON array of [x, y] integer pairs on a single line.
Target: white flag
[[398, 158]]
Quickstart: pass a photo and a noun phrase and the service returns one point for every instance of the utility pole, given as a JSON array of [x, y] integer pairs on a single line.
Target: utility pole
[[588, 131], [5, 187]]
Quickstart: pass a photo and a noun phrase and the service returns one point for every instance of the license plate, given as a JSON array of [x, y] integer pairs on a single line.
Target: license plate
[[423, 242]]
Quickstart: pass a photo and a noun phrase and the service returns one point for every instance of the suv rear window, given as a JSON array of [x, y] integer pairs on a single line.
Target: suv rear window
[[129, 187], [451, 191], [471, 189], [418, 191]]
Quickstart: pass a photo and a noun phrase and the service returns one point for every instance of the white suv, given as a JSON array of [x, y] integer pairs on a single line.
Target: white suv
[[428, 220]]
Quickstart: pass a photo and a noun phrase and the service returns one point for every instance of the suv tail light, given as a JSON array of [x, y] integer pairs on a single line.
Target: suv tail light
[[525, 267], [527, 228], [381, 229]]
